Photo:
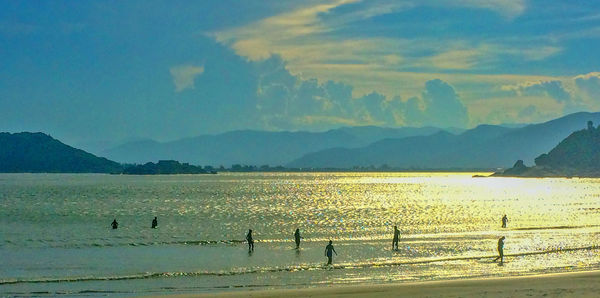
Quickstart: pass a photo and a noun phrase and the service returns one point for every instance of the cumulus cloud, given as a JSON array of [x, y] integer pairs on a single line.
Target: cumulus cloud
[[589, 84], [553, 89], [443, 107], [332, 103], [285, 101], [546, 98], [184, 75]]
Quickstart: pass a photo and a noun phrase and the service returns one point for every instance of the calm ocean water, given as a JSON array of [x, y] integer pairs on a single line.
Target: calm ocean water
[[55, 235]]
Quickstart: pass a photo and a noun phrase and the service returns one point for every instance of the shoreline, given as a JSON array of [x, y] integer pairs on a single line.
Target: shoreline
[[570, 284]]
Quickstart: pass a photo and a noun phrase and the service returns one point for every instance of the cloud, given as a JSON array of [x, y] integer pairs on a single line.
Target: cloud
[[346, 41], [294, 65], [184, 75], [588, 89], [443, 107], [589, 83], [514, 109], [571, 99], [457, 59], [507, 8], [285, 101], [528, 111], [553, 89], [537, 53]]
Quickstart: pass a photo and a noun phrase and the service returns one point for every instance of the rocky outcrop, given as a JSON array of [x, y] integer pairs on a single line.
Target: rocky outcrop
[[576, 156]]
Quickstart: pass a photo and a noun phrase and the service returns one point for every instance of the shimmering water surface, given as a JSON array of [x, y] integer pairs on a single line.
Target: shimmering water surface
[[55, 235]]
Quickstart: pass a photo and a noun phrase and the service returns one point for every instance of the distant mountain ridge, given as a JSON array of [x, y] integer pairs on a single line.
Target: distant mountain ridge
[[255, 147], [39, 153], [577, 155], [483, 147], [486, 146]]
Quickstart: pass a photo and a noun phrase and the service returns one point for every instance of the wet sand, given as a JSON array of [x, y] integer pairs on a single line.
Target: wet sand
[[577, 284]]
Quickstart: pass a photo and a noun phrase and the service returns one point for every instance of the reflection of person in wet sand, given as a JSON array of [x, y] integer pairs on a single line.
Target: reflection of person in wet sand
[[114, 224], [250, 241], [297, 238], [504, 221], [329, 250], [500, 250], [396, 238]]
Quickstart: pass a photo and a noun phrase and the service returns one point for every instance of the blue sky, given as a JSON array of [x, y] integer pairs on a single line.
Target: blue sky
[[87, 71]]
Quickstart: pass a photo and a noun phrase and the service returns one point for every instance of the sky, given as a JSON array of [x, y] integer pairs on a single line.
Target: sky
[[109, 71]]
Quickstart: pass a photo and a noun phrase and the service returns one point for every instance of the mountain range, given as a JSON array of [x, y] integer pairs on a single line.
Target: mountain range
[[486, 146], [483, 147], [255, 147]]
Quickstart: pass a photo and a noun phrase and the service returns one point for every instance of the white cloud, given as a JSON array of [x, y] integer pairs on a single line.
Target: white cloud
[[456, 59], [553, 89], [184, 75], [534, 53], [507, 8], [588, 88]]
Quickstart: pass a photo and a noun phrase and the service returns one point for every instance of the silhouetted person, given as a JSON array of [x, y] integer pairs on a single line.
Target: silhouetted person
[[329, 250], [396, 238], [114, 224], [297, 238], [504, 221], [154, 223], [500, 250], [250, 241]]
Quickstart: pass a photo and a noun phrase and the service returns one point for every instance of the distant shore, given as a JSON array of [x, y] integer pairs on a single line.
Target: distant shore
[[572, 284]]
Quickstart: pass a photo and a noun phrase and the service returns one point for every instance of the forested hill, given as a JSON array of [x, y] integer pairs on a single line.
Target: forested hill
[[578, 155], [28, 152]]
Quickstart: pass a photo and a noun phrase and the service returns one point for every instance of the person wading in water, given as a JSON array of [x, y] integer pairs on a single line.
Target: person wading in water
[[250, 241], [500, 250], [329, 250], [396, 238], [297, 238]]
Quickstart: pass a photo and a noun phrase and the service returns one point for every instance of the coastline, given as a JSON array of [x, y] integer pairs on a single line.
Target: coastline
[[571, 284]]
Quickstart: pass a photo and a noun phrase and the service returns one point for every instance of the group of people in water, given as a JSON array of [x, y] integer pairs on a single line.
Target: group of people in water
[[115, 224], [329, 250], [501, 241]]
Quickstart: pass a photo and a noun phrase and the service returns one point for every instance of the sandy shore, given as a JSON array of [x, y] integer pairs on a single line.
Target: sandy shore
[[578, 284]]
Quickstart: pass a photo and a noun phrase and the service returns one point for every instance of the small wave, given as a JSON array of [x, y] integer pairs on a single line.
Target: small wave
[[555, 227], [149, 243], [307, 267], [406, 238]]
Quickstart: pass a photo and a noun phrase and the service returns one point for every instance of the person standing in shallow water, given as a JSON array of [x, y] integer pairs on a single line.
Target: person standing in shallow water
[[396, 238], [329, 250], [297, 238], [500, 250], [504, 221], [114, 224], [154, 223], [250, 241]]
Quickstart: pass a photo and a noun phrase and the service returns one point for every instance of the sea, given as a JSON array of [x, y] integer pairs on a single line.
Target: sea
[[56, 236]]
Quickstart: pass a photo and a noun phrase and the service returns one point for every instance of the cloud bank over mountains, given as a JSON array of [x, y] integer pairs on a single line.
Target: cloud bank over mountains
[[88, 71]]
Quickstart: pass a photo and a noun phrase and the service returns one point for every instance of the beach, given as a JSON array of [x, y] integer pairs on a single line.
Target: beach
[[575, 284], [449, 226]]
